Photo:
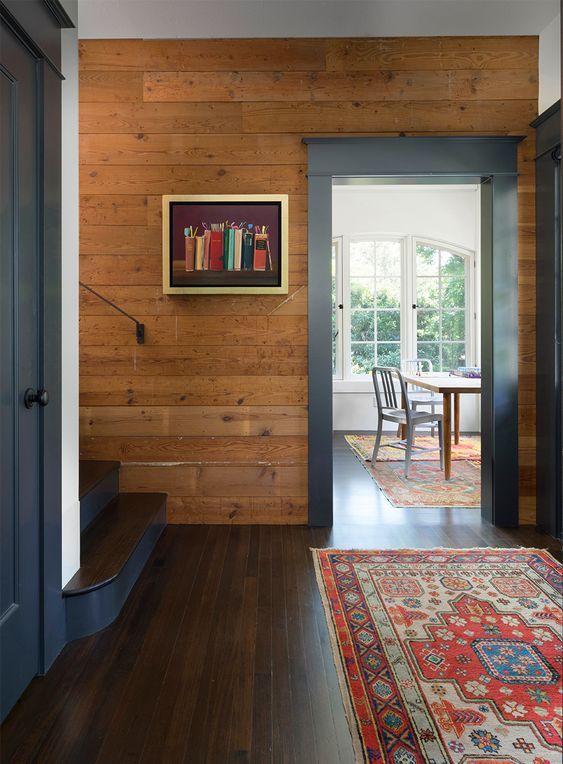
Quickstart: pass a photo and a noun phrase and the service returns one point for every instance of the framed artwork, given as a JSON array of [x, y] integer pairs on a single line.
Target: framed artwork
[[224, 244]]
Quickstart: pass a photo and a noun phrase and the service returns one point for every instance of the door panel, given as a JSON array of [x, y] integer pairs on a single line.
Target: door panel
[[19, 352]]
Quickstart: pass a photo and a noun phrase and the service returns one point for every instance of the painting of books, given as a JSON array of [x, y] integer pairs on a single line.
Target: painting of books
[[224, 244]]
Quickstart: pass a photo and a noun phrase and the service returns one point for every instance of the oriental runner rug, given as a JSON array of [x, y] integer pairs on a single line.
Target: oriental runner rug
[[426, 485], [469, 447], [447, 655]]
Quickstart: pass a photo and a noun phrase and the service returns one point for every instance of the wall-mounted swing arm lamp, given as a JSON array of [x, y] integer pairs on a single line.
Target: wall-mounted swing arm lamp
[[139, 327]]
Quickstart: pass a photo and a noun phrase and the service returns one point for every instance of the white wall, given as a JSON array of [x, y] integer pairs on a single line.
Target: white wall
[[69, 390], [550, 65], [447, 214]]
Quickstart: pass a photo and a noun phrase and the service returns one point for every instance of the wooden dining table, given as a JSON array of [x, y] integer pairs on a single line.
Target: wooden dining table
[[447, 385]]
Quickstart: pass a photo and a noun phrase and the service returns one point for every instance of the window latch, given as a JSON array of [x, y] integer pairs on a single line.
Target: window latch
[[414, 306], [341, 306]]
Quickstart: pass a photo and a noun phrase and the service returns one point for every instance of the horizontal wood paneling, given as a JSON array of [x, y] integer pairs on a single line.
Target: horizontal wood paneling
[[366, 116], [127, 209], [102, 390], [202, 55], [188, 118], [215, 480], [429, 85], [201, 179], [269, 449], [213, 408], [527, 329], [184, 149], [193, 421], [149, 300], [196, 330], [433, 53], [286, 360]]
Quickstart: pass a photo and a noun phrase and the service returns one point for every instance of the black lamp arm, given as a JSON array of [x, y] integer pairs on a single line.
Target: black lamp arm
[[139, 327]]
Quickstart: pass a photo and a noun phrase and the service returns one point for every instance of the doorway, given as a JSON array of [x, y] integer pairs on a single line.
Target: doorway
[[406, 294], [490, 163]]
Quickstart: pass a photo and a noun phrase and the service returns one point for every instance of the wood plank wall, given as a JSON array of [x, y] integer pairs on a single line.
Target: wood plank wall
[[212, 409]]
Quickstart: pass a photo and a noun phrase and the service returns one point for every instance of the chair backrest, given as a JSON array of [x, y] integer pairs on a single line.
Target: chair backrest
[[384, 378], [417, 366], [414, 365]]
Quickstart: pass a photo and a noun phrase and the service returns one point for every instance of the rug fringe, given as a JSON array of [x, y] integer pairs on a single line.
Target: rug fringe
[[437, 549]]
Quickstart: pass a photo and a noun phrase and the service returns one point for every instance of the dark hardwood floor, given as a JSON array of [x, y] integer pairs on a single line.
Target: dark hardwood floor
[[221, 653]]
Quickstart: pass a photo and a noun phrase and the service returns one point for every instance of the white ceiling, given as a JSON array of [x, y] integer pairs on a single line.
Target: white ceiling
[[311, 18]]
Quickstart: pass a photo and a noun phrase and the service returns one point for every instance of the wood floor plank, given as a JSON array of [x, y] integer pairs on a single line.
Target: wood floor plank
[[176, 701], [208, 737], [282, 743], [261, 747], [240, 726], [302, 724]]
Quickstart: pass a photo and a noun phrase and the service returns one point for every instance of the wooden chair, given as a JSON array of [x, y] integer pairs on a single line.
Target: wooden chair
[[390, 410]]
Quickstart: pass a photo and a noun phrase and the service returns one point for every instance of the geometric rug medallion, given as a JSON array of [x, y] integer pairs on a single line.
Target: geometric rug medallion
[[447, 655]]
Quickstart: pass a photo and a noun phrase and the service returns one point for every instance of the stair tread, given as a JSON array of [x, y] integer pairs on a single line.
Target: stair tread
[[109, 541], [92, 472]]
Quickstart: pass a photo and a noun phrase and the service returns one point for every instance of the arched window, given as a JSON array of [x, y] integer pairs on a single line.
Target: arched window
[[401, 297]]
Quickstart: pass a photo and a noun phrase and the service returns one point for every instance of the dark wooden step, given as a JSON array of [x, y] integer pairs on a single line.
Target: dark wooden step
[[98, 485], [92, 472], [114, 549]]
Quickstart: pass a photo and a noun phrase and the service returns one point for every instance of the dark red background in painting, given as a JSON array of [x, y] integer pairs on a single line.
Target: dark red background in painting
[[184, 214]]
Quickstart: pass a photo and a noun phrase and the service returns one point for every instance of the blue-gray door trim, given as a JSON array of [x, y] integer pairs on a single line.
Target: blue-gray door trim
[[491, 161]]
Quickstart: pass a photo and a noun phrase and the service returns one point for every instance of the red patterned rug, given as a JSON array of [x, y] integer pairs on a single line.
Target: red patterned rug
[[426, 485], [447, 655], [469, 447]]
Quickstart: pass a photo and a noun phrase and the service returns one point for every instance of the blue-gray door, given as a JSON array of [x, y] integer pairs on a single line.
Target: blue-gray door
[[20, 237]]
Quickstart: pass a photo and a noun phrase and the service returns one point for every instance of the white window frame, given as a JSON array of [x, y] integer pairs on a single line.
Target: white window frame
[[343, 380], [470, 294]]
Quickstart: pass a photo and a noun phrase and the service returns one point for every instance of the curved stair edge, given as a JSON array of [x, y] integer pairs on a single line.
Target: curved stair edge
[[91, 609]]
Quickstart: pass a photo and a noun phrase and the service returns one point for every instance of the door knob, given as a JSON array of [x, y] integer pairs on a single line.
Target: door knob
[[32, 396]]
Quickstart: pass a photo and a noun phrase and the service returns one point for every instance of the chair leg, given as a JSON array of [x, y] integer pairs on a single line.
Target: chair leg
[[432, 410], [441, 439], [377, 440], [408, 450]]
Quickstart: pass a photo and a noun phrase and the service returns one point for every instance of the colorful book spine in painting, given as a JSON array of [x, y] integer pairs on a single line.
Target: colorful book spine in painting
[[216, 251], [238, 249], [230, 237], [260, 251], [247, 251], [199, 252], [189, 249], [206, 245]]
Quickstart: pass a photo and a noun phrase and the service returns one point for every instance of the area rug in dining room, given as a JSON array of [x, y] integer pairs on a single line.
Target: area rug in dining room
[[426, 485], [469, 447], [447, 655]]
